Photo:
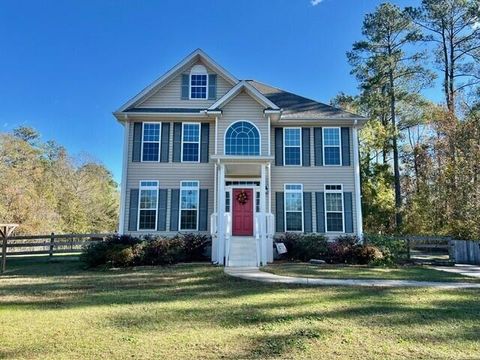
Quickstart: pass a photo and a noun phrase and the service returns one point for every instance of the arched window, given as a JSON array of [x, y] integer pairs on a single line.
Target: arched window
[[242, 138], [198, 82]]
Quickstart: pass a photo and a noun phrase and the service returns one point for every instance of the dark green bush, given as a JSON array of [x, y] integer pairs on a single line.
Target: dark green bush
[[366, 254], [94, 254], [195, 247], [348, 249], [394, 250], [304, 247]]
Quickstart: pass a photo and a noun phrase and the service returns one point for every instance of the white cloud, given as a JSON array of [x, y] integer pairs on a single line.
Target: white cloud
[[315, 2]]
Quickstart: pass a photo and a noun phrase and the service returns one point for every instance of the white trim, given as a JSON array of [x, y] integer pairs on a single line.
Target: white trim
[[140, 188], [339, 144], [180, 203], [164, 79], [123, 184], [194, 71], [153, 142], [325, 192], [216, 135], [259, 139], [284, 146], [262, 99], [358, 192], [191, 142], [285, 205]]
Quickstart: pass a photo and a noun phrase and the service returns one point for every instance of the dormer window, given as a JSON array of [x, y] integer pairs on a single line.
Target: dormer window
[[198, 82]]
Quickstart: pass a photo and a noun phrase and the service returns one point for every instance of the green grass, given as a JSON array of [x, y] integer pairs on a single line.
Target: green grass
[[56, 310], [418, 273]]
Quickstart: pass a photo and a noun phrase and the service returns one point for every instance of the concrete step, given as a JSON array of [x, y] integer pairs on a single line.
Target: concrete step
[[243, 252]]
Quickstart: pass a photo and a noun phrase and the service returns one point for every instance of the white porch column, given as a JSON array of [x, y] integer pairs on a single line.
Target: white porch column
[[221, 214], [263, 228], [358, 196]]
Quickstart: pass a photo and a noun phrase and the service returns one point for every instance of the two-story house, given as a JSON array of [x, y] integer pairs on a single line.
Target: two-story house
[[241, 160]]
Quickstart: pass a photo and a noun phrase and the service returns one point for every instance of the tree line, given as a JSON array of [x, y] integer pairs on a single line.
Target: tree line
[[420, 160], [44, 189]]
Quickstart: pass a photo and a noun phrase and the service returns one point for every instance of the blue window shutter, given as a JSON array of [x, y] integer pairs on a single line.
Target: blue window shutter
[[307, 212], [348, 211], [306, 146], [162, 210], [278, 146], [345, 146], [279, 212], [133, 213], [177, 142], [203, 215], [205, 135], [137, 141], [185, 86], [212, 86], [174, 209], [164, 151], [320, 205], [318, 141]]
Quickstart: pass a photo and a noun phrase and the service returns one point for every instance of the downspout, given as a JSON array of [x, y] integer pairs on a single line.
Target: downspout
[[123, 184], [356, 168]]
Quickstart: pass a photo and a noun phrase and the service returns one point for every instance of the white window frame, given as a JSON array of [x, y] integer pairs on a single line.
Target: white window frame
[[153, 142], [339, 144], [197, 70], [259, 138], [285, 206], [180, 203], [191, 142], [336, 212], [148, 187], [285, 146]]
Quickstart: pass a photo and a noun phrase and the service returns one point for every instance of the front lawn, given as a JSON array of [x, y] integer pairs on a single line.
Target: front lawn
[[417, 273], [56, 310]]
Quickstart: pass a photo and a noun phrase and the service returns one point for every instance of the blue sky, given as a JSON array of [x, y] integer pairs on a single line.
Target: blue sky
[[66, 65]]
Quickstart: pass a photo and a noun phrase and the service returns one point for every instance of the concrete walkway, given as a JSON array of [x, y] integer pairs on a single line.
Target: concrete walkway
[[257, 275], [462, 269]]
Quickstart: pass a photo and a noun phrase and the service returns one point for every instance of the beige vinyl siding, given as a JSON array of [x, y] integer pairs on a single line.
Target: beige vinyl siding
[[169, 96], [170, 174], [313, 177], [243, 107]]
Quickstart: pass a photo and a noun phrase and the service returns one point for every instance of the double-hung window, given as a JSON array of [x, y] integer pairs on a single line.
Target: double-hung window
[[293, 207], [334, 208], [331, 146], [198, 82], [292, 140], [190, 142], [189, 199], [151, 141], [147, 205]]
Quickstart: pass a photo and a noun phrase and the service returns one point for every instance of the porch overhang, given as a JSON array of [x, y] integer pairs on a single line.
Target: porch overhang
[[243, 167]]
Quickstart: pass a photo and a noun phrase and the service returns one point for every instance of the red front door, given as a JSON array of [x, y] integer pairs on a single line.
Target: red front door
[[242, 218]]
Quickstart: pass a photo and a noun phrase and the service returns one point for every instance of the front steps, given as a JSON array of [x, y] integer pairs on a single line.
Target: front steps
[[243, 252]]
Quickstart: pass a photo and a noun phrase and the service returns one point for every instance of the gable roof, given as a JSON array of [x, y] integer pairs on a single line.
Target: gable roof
[[298, 107], [251, 90], [198, 54]]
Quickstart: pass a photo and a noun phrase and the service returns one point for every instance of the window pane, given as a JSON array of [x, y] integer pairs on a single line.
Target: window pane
[[188, 220], [335, 222], [292, 137], [148, 199], [227, 201], [150, 151], [331, 137], [147, 219], [189, 199], [293, 187], [333, 202], [332, 156], [242, 139], [257, 201], [190, 152], [293, 201], [151, 132], [294, 221], [191, 132], [292, 156]]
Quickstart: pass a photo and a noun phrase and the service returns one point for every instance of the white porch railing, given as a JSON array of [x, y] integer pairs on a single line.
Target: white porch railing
[[228, 235], [258, 219], [213, 224]]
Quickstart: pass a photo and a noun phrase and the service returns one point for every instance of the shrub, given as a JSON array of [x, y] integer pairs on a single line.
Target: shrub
[[195, 247], [366, 254], [393, 249], [348, 249], [304, 247], [164, 251], [94, 254]]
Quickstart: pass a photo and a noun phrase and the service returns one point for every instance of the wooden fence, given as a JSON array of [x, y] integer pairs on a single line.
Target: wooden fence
[[50, 244]]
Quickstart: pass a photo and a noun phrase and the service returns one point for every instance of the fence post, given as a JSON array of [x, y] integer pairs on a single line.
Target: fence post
[[408, 248], [52, 243]]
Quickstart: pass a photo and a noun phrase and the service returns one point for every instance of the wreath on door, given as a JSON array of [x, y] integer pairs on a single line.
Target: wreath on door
[[242, 197]]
